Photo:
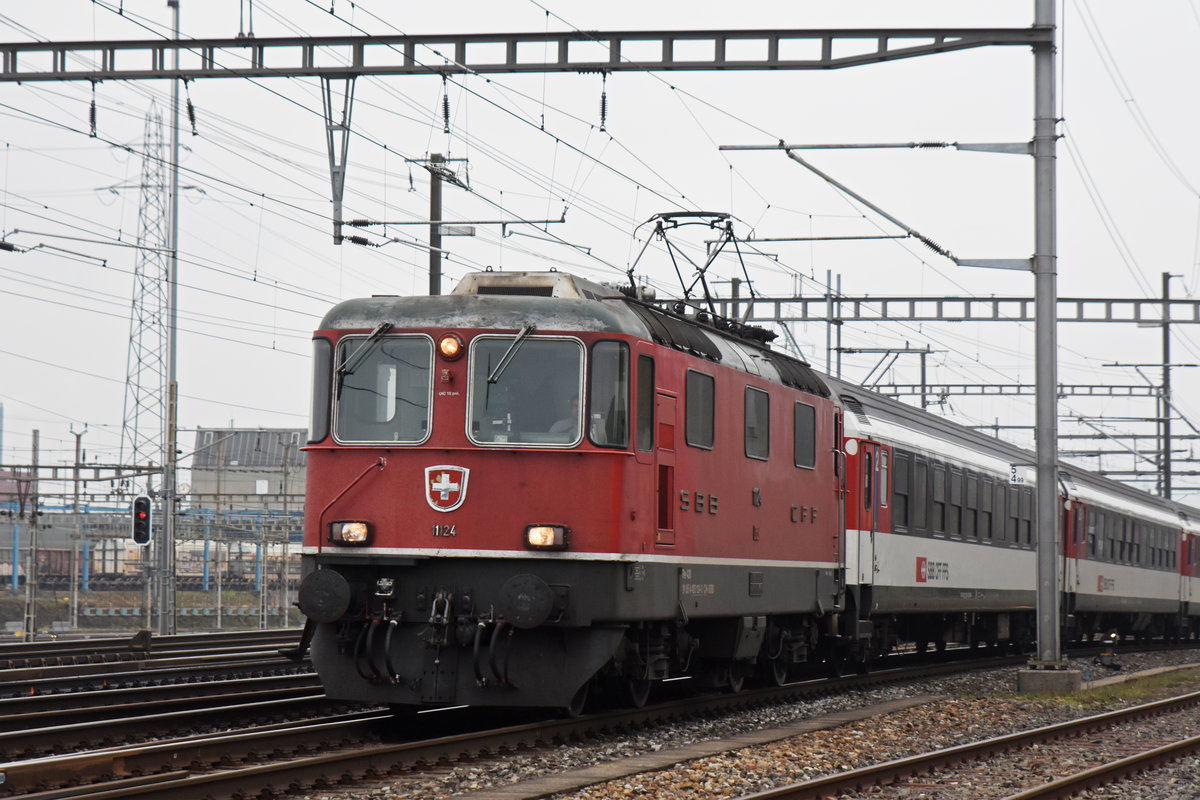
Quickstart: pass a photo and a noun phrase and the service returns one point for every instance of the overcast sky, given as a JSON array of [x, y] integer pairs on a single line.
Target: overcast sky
[[258, 266]]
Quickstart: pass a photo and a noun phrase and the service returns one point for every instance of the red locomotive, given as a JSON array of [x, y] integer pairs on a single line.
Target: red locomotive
[[537, 485]]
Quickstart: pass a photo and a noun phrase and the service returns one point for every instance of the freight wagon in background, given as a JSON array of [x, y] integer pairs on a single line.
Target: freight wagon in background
[[120, 566]]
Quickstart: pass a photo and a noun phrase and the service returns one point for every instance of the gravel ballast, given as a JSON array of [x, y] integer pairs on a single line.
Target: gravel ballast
[[692, 759]]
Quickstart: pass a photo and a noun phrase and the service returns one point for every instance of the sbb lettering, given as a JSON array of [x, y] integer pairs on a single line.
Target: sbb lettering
[[697, 501]]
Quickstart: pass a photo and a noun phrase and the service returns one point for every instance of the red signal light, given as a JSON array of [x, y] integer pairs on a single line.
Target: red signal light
[[141, 527]]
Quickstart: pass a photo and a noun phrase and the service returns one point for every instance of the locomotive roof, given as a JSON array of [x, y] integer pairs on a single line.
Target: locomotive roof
[[557, 301]]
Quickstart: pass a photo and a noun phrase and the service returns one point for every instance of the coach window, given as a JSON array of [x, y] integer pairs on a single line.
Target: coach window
[[938, 497], [900, 490], [920, 495], [883, 478], [954, 507], [318, 424], [985, 507], [700, 411], [527, 391], [999, 509], [970, 504], [383, 389], [608, 395], [1026, 521], [758, 424], [1011, 528], [868, 472], [804, 438], [645, 403]]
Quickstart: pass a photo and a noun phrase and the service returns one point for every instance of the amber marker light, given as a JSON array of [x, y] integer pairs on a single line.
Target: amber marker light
[[350, 532], [450, 346], [546, 537]]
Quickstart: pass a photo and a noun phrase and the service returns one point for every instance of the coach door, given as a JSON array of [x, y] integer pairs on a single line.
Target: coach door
[[1074, 538], [869, 454], [664, 470]]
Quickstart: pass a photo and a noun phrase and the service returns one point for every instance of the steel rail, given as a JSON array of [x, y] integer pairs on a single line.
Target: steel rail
[[55, 738], [1113, 772], [25, 655], [34, 680], [862, 779], [16, 712], [161, 760]]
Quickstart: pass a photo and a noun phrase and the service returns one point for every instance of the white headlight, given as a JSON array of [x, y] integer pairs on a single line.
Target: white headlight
[[349, 532], [546, 537]]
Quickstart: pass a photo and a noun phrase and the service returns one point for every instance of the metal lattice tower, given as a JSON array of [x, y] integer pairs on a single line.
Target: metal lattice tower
[[143, 432]]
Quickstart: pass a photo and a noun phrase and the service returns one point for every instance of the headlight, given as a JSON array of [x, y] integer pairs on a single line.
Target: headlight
[[546, 537], [349, 532], [450, 346]]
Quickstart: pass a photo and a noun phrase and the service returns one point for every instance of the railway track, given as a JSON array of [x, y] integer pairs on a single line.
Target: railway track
[[1048, 758], [94, 664], [141, 646], [276, 745], [226, 765]]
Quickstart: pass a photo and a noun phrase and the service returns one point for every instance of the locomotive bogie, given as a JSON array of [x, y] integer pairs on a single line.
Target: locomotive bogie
[[431, 616]]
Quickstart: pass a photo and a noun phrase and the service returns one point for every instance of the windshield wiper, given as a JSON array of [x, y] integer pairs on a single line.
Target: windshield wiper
[[509, 353], [353, 360]]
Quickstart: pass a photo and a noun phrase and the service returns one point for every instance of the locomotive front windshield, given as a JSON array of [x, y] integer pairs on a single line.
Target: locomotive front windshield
[[383, 389], [526, 391]]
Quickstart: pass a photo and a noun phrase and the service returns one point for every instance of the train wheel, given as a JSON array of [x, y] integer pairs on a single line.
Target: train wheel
[[737, 676], [637, 691], [575, 709], [774, 672]]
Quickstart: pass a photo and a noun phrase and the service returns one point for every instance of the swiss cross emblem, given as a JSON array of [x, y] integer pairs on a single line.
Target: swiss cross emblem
[[922, 569], [446, 486]]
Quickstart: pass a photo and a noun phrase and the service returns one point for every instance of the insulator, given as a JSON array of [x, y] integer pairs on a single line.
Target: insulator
[[603, 110], [445, 107], [92, 117], [934, 246], [191, 112], [358, 240]]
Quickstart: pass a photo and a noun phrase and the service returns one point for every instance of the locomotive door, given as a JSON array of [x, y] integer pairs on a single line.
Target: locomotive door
[[664, 470], [868, 509]]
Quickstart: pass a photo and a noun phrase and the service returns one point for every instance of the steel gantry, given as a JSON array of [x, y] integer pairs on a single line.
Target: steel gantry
[[339, 60], [347, 58]]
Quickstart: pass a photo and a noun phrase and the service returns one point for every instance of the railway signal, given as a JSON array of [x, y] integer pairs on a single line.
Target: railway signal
[[140, 520]]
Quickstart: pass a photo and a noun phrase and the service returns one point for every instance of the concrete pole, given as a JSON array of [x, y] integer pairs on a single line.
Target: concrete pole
[[29, 624], [78, 534], [166, 542], [1165, 402], [435, 225], [1049, 650]]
